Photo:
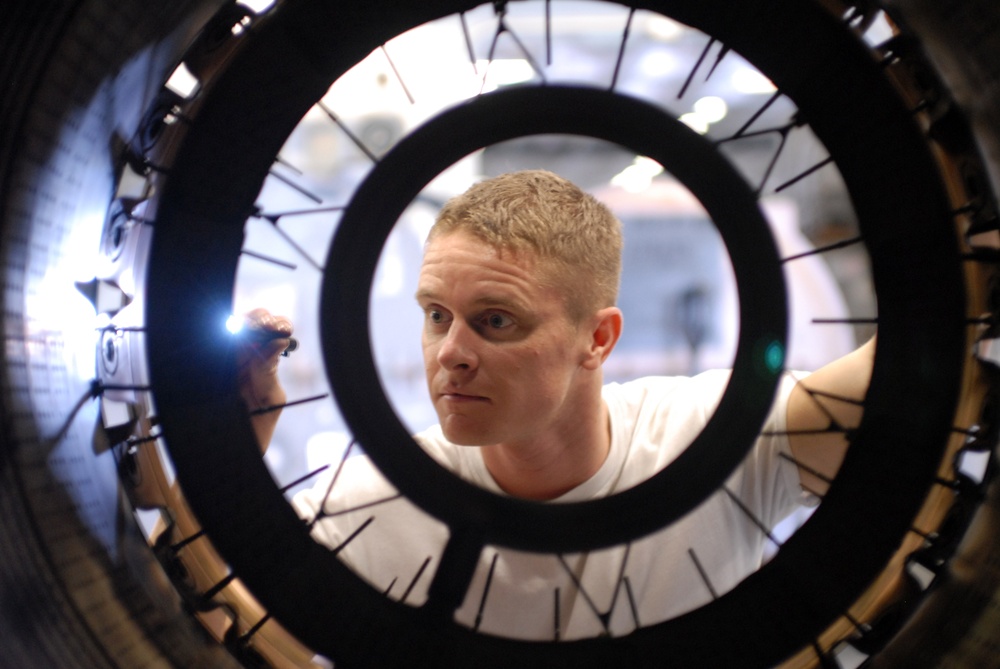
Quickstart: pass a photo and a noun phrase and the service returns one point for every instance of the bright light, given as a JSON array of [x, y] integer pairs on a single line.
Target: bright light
[[695, 122], [711, 108], [235, 323], [183, 82], [663, 29], [256, 6], [505, 71], [655, 63], [638, 176], [749, 81]]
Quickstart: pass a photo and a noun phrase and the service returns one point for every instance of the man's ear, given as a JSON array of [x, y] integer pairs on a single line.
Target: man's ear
[[605, 331]]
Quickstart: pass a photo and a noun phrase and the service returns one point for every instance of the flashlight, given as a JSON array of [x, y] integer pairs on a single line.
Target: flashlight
[[237, 326], [263, 336]]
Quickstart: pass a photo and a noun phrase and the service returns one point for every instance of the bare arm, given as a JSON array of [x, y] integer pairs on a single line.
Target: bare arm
[[258, 371], [819, 406]]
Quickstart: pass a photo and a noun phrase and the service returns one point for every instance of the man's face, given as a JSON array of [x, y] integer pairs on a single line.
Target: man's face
[[500, 352]]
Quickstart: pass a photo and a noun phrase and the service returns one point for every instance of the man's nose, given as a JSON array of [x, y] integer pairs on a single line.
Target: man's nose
[[458, 348]]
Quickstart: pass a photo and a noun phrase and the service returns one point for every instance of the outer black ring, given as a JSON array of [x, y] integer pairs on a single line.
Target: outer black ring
[[905, 218], [390, 188]]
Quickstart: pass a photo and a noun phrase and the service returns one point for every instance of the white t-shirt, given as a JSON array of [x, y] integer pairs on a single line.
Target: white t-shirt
[[684, 566]]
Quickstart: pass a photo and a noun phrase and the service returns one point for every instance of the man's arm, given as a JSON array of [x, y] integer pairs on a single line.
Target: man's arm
[[819, 407], [258, 371]]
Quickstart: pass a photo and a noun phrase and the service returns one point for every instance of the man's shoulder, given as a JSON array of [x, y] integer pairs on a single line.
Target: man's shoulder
[[704, 387]]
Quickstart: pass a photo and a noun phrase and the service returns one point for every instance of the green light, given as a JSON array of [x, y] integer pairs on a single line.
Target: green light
[[774, 356]]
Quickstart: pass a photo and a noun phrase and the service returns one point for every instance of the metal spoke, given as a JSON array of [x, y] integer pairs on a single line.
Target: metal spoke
[[752, 516], [399, 78], [825, 249], [486, 593], [268, 259], [802, 175], [302, 190], [277, 407], [621, 48], [694, 70], [347, 131], [704, 574]]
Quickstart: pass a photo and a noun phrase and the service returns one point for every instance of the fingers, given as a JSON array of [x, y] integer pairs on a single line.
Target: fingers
[[261, 342], [264, 338]]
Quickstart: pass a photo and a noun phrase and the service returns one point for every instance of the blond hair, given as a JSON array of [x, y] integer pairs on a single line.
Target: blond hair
[[570, 231]]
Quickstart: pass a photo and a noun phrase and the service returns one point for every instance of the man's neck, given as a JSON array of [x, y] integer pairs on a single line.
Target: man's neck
[[546, 469]]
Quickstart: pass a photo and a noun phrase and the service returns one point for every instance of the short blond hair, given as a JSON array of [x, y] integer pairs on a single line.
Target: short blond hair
[[568, 229]]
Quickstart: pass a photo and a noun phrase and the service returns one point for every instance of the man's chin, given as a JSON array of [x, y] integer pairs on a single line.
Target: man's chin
[[464, 435]]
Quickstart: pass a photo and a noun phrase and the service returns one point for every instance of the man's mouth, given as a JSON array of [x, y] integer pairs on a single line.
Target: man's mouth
[[462, 397]]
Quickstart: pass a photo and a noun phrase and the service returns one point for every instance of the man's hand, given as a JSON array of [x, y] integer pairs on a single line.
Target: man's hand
[[262, 341]]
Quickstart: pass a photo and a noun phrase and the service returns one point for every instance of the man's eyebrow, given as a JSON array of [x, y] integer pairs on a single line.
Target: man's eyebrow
[[486, 300]]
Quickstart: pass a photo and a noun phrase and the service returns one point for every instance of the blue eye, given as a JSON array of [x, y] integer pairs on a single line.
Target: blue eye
[[498, 321]]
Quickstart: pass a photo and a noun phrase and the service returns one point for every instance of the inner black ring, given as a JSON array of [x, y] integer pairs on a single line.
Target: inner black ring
[[640, 127]]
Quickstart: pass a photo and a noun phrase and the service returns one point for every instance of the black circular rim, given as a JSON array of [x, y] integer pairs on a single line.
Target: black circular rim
[[905, 219], [507, 114]]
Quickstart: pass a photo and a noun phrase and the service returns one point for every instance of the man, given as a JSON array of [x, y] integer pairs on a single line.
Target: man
[[518, 289]]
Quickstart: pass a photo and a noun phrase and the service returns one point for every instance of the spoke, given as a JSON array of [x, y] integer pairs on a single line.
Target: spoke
[[824, 660], [333, 481], [95, 389], [347, 131], [268, 259], [295, 245], [603, 617], [704, 574], [825, 249], [395, 71], [774, 160], [185, 542], [845, 321], [862, 628], [548, 32], [486, 593], [296, 187], [468, 42], [752, 516], [718, 59], [556, 622], [502, 28], [131, 442], [760, 112], [245, 638], [354, 535], [207, 596], [416, 578], [946, 483], [359, 507], [632, 603], [621, 48], [303, 479], [834, 424], [454, 573], [621, 580], [779, 130], [506, 29], [276, 407], [802, 175], [806, 468], [274, 218], [694, 70]]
